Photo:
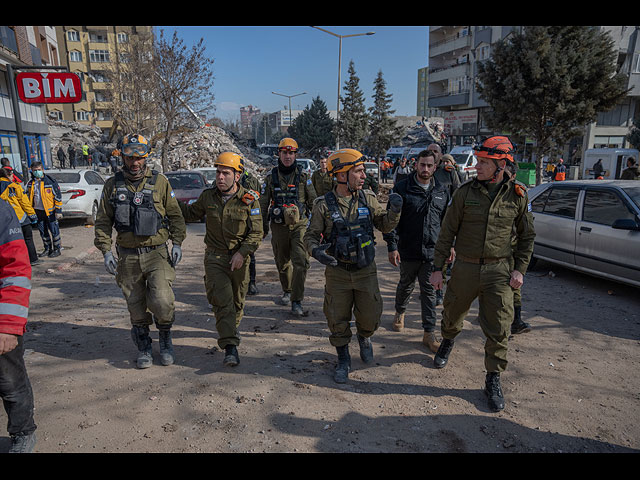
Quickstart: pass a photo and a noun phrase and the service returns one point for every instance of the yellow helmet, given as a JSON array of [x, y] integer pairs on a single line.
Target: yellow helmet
[[288, 144], [135, 145], [229, 159], [344, 160]]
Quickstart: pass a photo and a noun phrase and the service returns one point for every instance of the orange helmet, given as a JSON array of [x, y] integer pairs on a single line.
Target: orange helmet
[[288, 144], [344, 160], [229, 159], [496, 148]]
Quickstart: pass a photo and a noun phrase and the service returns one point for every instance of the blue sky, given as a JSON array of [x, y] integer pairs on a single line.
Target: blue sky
[[250, 62]]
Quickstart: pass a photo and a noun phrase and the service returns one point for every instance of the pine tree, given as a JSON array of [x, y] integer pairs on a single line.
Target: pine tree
[[313, 128], [353, 122], [383, 131], [548, 82]]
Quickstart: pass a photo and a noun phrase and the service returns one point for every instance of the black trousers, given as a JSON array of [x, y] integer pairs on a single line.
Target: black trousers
[[409, 272], [16, 392], [27, 233]]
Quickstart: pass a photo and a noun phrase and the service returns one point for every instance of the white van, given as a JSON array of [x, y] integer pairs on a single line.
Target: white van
[[614, 161], [396, 153], [466, 161]]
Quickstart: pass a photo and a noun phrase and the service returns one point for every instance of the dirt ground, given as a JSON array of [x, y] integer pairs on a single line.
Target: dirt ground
[[572, 384]]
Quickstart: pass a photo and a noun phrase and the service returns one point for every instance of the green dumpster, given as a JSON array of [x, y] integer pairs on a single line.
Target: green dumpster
[[526, 173]]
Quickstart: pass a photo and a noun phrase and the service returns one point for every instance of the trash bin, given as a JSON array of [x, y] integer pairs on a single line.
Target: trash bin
[[526, 173]]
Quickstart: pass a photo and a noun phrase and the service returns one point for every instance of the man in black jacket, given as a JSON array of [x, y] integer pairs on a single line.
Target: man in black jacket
[[411, 243]]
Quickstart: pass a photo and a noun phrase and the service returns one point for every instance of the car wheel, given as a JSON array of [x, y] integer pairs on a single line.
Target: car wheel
[[91, 219]]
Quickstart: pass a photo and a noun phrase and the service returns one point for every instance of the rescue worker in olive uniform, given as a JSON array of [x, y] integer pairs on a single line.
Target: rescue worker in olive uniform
[[251, 182], [141, 205], [518, 325], [286, 199], [321, 180], [341, 236], [233, 233], [483, 215]]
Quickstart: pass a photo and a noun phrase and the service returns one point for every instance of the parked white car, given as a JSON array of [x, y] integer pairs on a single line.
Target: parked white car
[[209, 173], [308, 165], [592, 226], [81, 191]]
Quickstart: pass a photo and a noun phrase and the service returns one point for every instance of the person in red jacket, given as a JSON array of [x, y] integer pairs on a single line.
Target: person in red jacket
[[15, 288]]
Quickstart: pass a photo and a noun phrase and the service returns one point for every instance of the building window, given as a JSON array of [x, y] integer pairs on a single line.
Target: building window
[[83, 116], [635, 65], [98, 37], [123, 37], [75, 56], [73, 36], [99, 56]]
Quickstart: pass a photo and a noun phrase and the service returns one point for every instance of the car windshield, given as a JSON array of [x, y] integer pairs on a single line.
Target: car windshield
[[65, 177], [460, 158], [185, 180], [634, 193], [210, 175]]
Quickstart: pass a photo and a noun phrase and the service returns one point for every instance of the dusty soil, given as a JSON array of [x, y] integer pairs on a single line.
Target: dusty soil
[[572, 384]]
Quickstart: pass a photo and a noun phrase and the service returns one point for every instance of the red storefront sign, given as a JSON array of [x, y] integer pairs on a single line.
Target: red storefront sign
[[52, 87]]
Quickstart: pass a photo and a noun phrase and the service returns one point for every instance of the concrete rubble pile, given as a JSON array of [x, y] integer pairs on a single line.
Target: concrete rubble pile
[[200, 147], [62, 133], [424, 132]]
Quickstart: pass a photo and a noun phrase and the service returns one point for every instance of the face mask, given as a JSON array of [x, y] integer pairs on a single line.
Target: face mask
[[38, 173]]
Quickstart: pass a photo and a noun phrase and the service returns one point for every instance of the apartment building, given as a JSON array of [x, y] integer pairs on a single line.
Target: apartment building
[[25, 46], [453, 53], [89, 52]]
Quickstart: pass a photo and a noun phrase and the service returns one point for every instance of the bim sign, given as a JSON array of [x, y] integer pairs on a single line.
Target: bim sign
[[52, 87]]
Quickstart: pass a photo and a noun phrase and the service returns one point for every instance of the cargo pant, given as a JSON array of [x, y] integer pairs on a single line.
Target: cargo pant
[[292, 259], [488, 283], [409, 272], [49, 229], [146, 281], [226, 293], [348, 293]]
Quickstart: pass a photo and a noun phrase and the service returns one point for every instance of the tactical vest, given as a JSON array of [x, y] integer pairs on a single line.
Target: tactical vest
[[352, 243], [283, 198], [135, 211]]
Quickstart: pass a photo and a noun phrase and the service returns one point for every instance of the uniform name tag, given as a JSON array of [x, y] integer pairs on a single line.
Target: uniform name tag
[[255, 211]]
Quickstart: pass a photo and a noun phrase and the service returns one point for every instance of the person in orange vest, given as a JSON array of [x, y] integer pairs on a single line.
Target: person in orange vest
[[560, 172]]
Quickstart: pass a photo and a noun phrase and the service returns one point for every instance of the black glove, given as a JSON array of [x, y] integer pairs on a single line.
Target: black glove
[[319, 253], [395, 202]]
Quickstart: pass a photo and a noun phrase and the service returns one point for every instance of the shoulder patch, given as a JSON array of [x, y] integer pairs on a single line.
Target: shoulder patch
[[519, 188], [250, 196]]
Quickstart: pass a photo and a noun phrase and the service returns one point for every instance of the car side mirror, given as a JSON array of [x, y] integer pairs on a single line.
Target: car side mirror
[[626, 224]]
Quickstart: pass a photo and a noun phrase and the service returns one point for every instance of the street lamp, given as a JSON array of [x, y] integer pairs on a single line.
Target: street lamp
[[289, 97], [339, 68]]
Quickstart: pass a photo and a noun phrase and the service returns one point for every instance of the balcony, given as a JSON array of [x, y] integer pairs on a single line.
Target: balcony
[[449, 99], [450, 71], [449, 45]]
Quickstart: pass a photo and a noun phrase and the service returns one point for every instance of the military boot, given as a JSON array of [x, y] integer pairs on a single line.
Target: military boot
[[231, 357], [285, 299], [296, 308], [366, 349], [252, 288], [23, 443], [142, 340], [398, 322], [429, 340], [518, 325], [344, 364], [166, 346], [493, 390], [442, 356]]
